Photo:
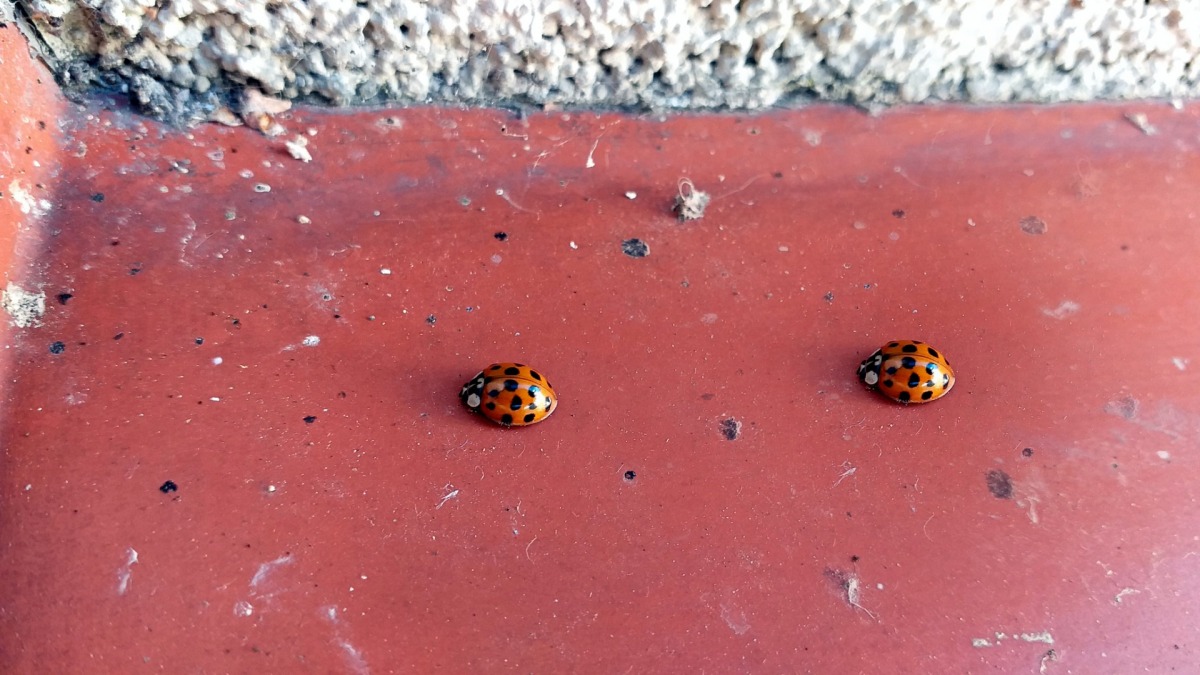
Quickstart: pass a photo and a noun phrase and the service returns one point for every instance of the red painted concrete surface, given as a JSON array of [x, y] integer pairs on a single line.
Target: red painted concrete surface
[[337, 509]]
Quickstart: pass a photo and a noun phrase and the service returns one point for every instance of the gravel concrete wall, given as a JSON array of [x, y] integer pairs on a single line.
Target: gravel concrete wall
[[667, 54]]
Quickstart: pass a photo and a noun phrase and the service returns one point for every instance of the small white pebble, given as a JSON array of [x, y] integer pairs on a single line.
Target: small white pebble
[[270, 488], [385, 271], [303, 220], [1164, 455], [783, 249], [246, 173], [1180, 363], [860, 225], [311, 341], [574, 245], [970, 222], [217, 361], [215, 398], [631, 195], [375, 213], [28, 487], [262, 187], [894, 236]]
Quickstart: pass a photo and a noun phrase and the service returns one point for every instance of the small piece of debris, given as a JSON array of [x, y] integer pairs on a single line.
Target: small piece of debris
[[501, 236], [311, 341], [1142, 122], [262, 187], [899, 213], [630, 475], [298, 149], [199, 340], [385, 271], [309, 419], [57, 347], [999, 484], [631, 195], [1033, 225], [168, 486], [64, 297], [259, 111], [574, 246], [829, 297], [118, 336], [303, 220], [690, 203], [1027, 452], [1065, 309], [731, 428], [635, 248], [98, 197], [431, 320], [25, 309]]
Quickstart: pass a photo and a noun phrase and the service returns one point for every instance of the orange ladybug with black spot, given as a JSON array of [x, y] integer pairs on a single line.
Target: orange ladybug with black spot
[[908, 371], [510, 394]]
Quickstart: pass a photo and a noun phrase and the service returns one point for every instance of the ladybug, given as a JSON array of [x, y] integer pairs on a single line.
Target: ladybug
[[908, 371], [511, 394]]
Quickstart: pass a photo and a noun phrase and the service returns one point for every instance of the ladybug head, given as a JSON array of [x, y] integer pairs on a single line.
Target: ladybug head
[[472, 392], [868, 370]]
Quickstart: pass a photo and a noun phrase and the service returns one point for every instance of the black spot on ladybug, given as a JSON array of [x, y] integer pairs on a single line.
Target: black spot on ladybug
[[893, 345], [501, 236], [309, 419], [731, 429], [635, 248], [909, 349], [891, 370], [516, 403], [511, 385], [914, 380], [945, 380], [549, 402], [932, 352], [535, 375], [908, 362], [491, 405], [494, 392], [529, 418], [57, 347], [534, 390], [506, 419], [904, 397], [532, 406], [925, 396], [931, 368], [495, 366], [889, 384], [999, 484], [512, 371], [168, 486]]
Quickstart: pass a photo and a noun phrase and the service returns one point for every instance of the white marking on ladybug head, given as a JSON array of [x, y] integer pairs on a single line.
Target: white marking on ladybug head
[[473, 401], [871, 378]]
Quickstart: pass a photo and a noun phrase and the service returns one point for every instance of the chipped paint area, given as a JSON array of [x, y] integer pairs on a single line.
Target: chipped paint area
[[998, 638], [29, 205], [24, 308], [125, 573], [1065, 309]]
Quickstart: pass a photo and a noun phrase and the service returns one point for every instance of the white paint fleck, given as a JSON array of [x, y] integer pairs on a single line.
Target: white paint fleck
[[125, 573], [303, 220], [496, 259], [266, 568], [262, 187], [784, 249], [453, 494], [354, 658], [1065, 308], [217, 361], [26, 202], [242, 608], [631, 195], [28, 487], [1043, 637], [574, 245], [311, 341], [1119, 597], [1180, 362], [709, 318], [735, 619], [385, 271], [1164, 455], [215, 399], [25, 309], [980, 642]]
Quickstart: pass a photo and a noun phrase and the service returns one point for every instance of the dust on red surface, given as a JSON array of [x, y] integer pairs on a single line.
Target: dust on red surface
[[283, 344]]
